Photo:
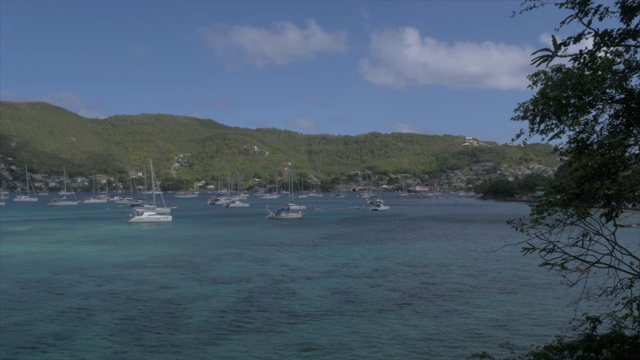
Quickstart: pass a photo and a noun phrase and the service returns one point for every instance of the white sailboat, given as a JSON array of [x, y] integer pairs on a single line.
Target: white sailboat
[[4, 190], [63, 201], [96, 198], [151, 213], [289, 210], [65, 190], [27, 197]]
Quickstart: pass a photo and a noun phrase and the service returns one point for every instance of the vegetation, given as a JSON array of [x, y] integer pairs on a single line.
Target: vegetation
[[186, 149], [587, 98], [528, 187]]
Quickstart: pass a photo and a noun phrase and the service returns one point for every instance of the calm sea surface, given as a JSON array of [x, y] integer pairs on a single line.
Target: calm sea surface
[[428, 279]]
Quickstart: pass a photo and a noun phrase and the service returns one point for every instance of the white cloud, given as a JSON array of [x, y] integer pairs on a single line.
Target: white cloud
[[282, 44], [303, 123], [403, 58]]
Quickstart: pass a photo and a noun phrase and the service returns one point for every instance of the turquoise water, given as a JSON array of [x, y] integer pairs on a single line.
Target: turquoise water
[[428, 279]]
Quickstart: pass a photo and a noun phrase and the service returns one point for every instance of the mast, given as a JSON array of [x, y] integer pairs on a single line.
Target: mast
[[26, 176], [153, 183]]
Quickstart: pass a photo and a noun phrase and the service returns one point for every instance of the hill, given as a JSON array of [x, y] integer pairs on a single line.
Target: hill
[[47, 137]]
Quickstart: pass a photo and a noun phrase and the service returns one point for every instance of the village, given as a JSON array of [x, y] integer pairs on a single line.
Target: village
[[457, 181]]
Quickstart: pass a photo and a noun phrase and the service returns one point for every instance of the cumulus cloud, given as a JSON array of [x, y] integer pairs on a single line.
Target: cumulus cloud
[[403, 58], [282, 44], [302, 123]]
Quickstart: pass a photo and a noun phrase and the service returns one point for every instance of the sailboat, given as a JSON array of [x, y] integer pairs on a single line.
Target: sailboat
[[376, 202], [63, 201], [28, 197], [151, 213], [291, 204], [65, 190], [4, 190], [289, 210], [95, 199]]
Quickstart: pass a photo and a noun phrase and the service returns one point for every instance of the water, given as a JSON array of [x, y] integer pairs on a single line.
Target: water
[[428, 279]]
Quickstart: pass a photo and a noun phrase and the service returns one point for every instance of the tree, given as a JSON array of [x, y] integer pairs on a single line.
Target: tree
[[587, 100]]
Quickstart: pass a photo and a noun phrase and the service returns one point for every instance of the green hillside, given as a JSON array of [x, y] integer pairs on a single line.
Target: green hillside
[[185, 148]]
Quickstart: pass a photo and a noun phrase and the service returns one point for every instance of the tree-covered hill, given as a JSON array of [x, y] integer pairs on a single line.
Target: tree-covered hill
[[47, 137]]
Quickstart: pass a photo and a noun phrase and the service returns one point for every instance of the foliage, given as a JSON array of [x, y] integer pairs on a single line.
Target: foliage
[[591, 343], [186, 150], [587, 98], [503, 188]]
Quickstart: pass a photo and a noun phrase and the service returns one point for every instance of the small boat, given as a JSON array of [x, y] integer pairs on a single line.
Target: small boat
[[379, 206], [270, 196], [236, 204], [25, 198], [134, 202], [284, 213], [147, 216], [62, 202], [186, 194], [100, 199], [223, 200]]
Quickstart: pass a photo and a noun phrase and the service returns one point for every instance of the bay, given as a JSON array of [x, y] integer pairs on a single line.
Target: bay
[[430, 278]]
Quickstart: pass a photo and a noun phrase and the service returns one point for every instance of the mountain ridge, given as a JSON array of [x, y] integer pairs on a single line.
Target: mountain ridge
[[48, 137]]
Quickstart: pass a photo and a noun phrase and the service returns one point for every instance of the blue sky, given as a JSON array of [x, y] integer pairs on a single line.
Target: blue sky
[[324, 67]]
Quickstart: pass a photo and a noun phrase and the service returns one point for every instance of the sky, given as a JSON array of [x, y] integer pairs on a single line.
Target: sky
[[313, 67]]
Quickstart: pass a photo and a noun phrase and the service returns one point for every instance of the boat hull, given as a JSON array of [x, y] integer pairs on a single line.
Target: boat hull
[[25, 199], [149, 217]]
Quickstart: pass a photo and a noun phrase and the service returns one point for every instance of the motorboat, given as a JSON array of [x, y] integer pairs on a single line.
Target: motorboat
[[186, 194], [236, 204], [25, 198], [379, 206], [100, 199], [284, 213]]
